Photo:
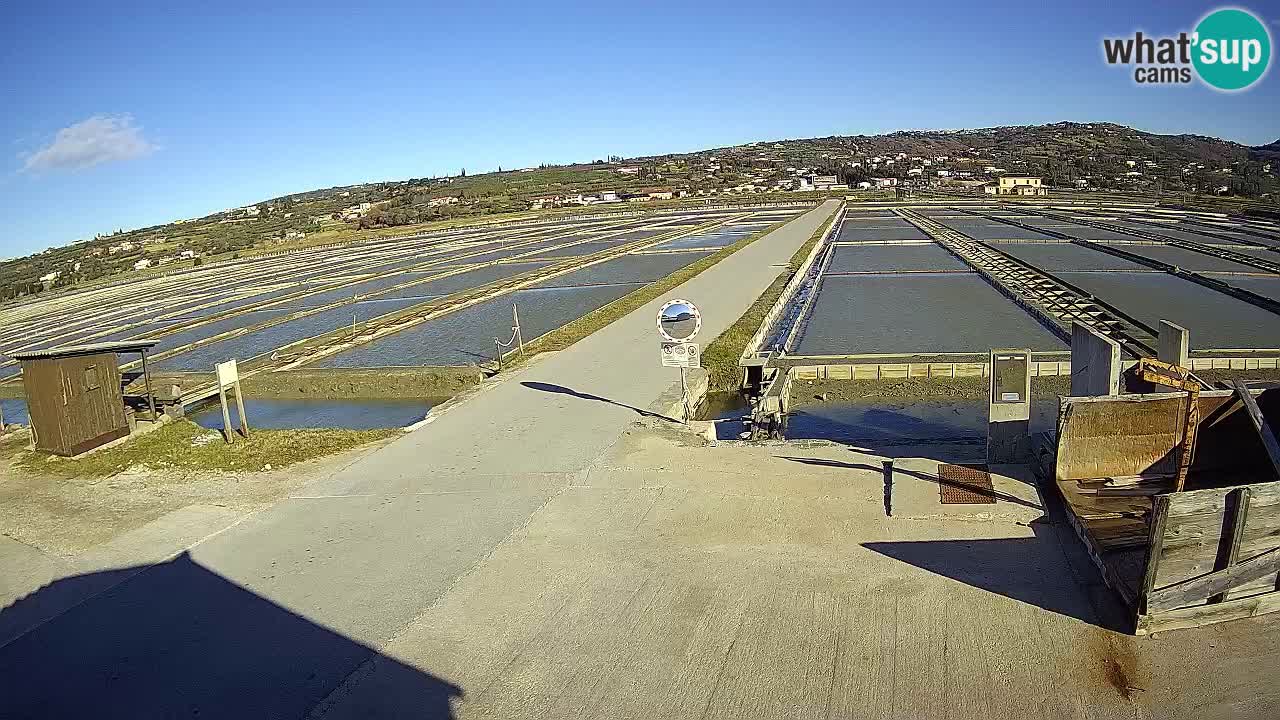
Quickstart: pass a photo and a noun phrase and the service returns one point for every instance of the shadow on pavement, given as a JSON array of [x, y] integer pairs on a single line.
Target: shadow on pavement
[[562, 390], [928, 477], [1028, 570], [178, 640]]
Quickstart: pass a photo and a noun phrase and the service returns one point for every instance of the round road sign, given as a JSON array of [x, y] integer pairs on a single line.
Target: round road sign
[[679, 321]]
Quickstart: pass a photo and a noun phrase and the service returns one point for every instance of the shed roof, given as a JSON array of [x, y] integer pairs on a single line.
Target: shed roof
[[125, 346]]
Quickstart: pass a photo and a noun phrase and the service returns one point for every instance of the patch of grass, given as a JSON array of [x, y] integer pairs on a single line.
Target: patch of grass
[[183, 445], [721, 357], [571, 333]]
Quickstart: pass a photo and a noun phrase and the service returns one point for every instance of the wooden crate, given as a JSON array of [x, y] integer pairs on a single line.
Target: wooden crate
[[1177, 559]]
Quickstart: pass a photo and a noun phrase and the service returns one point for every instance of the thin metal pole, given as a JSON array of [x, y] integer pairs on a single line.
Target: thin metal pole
[[684, 396], [151, 398], [888, 487], [227, 432], [515, 314], [497, 351], [244, 419]]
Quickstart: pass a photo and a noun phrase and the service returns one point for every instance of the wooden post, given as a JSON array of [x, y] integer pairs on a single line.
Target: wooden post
[[1260, 425], [1190, 431], [888, 487], [1235, 517], [151, 397], [1155, 546], [227, 432], [244, 420]]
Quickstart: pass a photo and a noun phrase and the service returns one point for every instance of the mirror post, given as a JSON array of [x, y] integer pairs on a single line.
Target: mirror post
[[684, 395]]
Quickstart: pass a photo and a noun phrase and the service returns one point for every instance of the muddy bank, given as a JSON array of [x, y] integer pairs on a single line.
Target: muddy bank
[[818, 392], [1215, 377]]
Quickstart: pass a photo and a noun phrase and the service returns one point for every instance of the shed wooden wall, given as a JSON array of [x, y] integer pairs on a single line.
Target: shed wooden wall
[[70, 416]]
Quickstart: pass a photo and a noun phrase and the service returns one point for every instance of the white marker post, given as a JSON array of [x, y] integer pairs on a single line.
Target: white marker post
[[679, 322], [229, 379]]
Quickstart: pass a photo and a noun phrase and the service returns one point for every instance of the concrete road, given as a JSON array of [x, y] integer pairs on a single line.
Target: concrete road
[[267, 618]]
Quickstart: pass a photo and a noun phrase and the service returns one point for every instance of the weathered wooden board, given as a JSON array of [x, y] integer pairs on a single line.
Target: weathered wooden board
[[1208, 614], [1198, 528], [1131, 435], [1199, 589], [1125, 435]]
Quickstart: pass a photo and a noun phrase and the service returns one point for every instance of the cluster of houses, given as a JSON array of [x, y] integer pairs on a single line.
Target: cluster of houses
[[145, 263], [355, 212], [605, 197], [129, 246]]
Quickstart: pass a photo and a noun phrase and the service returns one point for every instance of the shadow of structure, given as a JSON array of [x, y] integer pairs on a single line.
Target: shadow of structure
[[891, 432], [927, 477], [1029, 570], [178, 640], [562, 390]]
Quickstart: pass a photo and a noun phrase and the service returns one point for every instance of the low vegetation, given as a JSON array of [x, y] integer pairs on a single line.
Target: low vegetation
[[184, 445], [721, 357]]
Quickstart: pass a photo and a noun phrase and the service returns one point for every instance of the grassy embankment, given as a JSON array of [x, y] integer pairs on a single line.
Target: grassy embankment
[[183, 445], [720, 358]]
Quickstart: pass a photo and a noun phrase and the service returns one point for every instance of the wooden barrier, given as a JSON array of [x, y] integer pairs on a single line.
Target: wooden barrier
[[1177, 559], [1213, 555]]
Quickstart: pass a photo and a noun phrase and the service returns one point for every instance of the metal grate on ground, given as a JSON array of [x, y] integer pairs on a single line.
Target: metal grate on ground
[[965, 485]]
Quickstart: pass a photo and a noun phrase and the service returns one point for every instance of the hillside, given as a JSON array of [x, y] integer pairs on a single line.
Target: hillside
[[1094, 155], [1266, 153]]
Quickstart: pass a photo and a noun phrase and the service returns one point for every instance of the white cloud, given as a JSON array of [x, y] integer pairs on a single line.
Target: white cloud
[[99, 139]]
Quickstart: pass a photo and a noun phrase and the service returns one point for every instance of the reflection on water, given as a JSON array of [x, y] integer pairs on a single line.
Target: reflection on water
[[15, 411], [466, 337], [893, 421], [874, 421], [341, 414]]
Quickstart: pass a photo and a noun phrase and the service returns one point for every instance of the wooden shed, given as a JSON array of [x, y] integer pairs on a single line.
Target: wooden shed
[[75, 395]]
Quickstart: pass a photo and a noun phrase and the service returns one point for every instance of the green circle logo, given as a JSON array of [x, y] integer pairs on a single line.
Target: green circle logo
[[1232, 49]]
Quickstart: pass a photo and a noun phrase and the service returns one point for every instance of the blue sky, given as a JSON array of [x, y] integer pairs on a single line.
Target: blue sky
[[121, 115]]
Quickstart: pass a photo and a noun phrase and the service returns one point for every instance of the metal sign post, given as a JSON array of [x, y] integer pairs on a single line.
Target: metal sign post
[[517, 338], [515, 319], [679, 322], [229, 379]]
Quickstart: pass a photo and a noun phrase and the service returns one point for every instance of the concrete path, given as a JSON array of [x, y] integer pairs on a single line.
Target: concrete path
[[267, 618], [766, 581]]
